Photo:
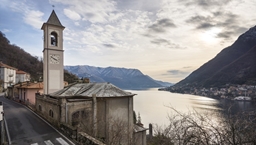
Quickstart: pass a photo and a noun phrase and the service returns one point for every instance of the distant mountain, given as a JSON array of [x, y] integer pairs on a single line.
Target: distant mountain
[[235, 64], [122, 77], [164, 84]]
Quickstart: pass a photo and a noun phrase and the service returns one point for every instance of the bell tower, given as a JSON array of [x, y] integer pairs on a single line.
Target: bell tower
[[53, 54]]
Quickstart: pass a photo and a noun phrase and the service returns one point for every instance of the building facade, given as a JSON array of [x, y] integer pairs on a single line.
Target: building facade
[[99, 109], [22, 76], [7, 75], [25, 92]]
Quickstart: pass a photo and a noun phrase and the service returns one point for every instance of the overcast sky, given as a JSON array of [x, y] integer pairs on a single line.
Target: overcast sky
[[165, 39]]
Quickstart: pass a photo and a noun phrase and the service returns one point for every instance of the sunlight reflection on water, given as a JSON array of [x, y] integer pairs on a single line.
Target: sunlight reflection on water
[[154, 106]]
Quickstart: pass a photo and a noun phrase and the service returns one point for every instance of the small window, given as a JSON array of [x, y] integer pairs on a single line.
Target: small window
[[51, 113], [40, 108], [54, 39]]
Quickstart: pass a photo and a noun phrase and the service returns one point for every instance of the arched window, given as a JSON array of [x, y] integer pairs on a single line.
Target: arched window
[[40, 108], [51, 113], [75, 118], [54, 39]]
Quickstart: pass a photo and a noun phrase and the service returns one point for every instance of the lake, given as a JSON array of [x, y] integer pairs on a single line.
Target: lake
[[153, 105]]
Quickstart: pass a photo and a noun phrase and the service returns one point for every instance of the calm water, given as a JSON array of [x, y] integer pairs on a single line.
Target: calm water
[[153, 105]]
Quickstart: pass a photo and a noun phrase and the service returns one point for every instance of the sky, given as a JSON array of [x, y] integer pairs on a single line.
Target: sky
[[165, 39]]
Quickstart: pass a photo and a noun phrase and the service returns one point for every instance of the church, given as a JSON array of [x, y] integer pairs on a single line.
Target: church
[[100, 110]]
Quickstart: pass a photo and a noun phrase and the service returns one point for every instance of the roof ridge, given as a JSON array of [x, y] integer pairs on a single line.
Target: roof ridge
[[86, 88]]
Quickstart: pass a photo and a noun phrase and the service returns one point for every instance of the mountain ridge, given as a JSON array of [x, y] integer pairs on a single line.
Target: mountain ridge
[[225, 64], [125, 78]]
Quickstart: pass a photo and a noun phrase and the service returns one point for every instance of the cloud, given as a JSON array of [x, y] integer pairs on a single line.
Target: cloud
[[143, 5], [199, 19], [226, 21], [166, 43], [98, 11], [161, 25], [160, 41], [202, 22], [235, 31], [34, 18], [205, 26], [217, 18], [119, 35], [31, 15], [6, 30], [176, 73], [72, 14], [186, 67], [109, 45], [206, 4]]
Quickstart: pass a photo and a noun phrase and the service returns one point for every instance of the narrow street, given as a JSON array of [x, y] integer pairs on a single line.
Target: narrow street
[[26, 128]]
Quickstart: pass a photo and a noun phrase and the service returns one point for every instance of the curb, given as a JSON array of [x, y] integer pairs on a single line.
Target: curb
[[30, 109]]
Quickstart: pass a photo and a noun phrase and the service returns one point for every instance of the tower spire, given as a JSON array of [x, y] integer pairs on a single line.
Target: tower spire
[[53, 20]]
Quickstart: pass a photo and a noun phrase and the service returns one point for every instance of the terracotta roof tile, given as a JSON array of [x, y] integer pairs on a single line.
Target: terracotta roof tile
[[30, 85], [20, 72]]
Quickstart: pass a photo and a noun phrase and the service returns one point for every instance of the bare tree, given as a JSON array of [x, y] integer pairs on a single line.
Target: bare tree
[[196, 128]]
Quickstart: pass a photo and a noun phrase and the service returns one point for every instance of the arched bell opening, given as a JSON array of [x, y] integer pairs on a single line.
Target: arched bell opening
[[54, 39]]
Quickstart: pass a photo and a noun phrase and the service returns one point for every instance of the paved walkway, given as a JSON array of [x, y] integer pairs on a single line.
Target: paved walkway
[[26, 128]]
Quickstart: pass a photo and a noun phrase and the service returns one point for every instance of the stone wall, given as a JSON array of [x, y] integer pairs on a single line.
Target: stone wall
[[111, 121], [49, 108], [115, 119], [61, 110], [73, 107]]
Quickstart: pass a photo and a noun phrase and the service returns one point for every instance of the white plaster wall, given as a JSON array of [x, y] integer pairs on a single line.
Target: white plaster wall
[[120, 113], [101, 117], [6, 78], [53, 80], [140, 138], [22, 78]]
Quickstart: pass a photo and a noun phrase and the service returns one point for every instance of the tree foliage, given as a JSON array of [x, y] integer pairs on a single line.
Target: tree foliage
[[69, 77], [15, 56]]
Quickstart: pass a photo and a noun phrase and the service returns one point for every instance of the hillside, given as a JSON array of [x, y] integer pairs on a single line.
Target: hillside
[[121, 77], [233, 65], [15, 56]]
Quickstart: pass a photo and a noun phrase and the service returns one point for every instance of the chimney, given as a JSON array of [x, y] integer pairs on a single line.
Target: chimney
[[150, 130], [86, 80]]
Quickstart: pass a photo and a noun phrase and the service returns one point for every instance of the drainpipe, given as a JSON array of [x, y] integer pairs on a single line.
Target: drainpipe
[[66, 113], [94, 102]]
